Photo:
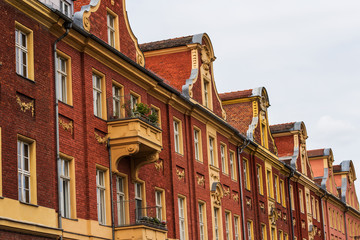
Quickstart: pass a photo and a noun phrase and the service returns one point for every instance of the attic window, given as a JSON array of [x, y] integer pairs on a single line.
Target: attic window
[[66, 8]]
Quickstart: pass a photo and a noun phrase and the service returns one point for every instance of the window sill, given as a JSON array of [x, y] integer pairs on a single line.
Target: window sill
[[29, 204], [71, 219], [199, 161], [100, 118], [179, 154], [30, 80], [66, 104], [214, 168]]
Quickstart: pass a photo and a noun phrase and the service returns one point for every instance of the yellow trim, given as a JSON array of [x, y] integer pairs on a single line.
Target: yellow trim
[[116, 27], [261, 182], [281, 235], [103, 92], [275, 231], [238, 226], [180, 130], [122, 97], [234, 169], [33, 181], [292, 197], [90, 229], [247, 177], [1, 176], [30, 49], [199, 143], [204, 218], [263, 227], [239, 100], [185, 215], [69, 94], [277, 188], [301, 200], [251, 228], [230, 224], [166, 51], [163, 202], [159, 113], [282, 189], [211, 133], [206, 81], [220, 222], [72, 184], [107, 194], [126, 191], [268, 168], [226, 160]]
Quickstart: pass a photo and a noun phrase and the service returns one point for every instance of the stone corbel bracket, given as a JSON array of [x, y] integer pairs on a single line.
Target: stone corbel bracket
[[82, 18], [139, 161]]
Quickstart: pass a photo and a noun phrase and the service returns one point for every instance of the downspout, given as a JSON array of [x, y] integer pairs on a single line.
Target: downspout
[[346, 209], [111, 192], [292, 171], [322, 213], [239, 151], [67, 26]]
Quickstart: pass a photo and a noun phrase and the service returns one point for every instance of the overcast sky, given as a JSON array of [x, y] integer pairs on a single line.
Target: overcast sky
[[306, 54]]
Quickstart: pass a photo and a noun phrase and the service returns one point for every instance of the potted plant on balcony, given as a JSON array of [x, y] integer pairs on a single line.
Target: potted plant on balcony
[[142, 111]]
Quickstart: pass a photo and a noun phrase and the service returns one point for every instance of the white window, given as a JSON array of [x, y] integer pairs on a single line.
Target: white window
[[97, 95], [232, 166], [206, 93], [177, 136], [181, 203], [65, 8], [227, 225], [159, 206], [249, 230], [120, 199], [246, 177], [269, 185], [216, 223], [197, 145], [116, 101], [211, 151], [222, 155], [138, 200], [263, 232], [100, 190], [111, 29], [23, 151], [133, 102], [65, 188], [21, 48], [201, 221], [236, 228], [272, 233], [276, 188], [62, 79]]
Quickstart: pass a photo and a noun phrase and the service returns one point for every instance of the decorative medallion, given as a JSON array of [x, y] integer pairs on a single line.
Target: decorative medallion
[[158, 165], [99, 139], [236, 197], [180, 173], [248, 202], [226, 191], [200, 180]]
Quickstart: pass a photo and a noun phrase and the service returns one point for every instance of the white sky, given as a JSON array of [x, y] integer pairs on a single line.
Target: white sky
[[306, 54]]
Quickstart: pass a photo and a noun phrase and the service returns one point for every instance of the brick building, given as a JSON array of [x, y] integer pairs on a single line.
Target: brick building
[[116, 140]]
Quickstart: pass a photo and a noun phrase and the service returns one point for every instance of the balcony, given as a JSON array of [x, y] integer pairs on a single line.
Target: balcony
[[143, 224], [136, 138]]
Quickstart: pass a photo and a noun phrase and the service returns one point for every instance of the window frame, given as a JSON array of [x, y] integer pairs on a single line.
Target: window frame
[[158, 112], [31, 173], [202, 220], [163, 203], [68, 80], [117, 99], [29, 51], [250, 230], [301, 200], [237, 228], [121, 193], [182, 211], [260, 179], [69, 5], [282, 192], [233, 165], [178, 136], [113, 29], [246, 173], [263, 231], [101, 196], [224, 160], [102, 113], [228, 226], [198, 144]]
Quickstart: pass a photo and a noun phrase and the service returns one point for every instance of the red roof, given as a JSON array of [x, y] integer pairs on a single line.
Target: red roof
[[315, 152], [168, 43], [283, 127], [235, 95]]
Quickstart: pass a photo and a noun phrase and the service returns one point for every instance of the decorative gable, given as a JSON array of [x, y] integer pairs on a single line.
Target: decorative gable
[[107, 20], [186, 63]]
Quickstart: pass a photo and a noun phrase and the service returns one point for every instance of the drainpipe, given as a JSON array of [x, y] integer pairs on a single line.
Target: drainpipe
[[322, 213], [292, 171], [239, 151], [67, 26], [111, 192]]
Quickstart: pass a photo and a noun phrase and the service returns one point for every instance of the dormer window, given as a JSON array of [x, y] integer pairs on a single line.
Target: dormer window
[[65, 8], [111, 29], [206, 93]]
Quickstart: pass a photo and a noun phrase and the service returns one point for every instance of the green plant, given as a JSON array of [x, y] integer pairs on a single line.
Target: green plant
[[143, 109]]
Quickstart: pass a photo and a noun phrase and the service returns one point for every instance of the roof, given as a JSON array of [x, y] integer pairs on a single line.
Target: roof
[[336, 168], [283, 127], [171, 43], [235, 95], [316, 152]]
